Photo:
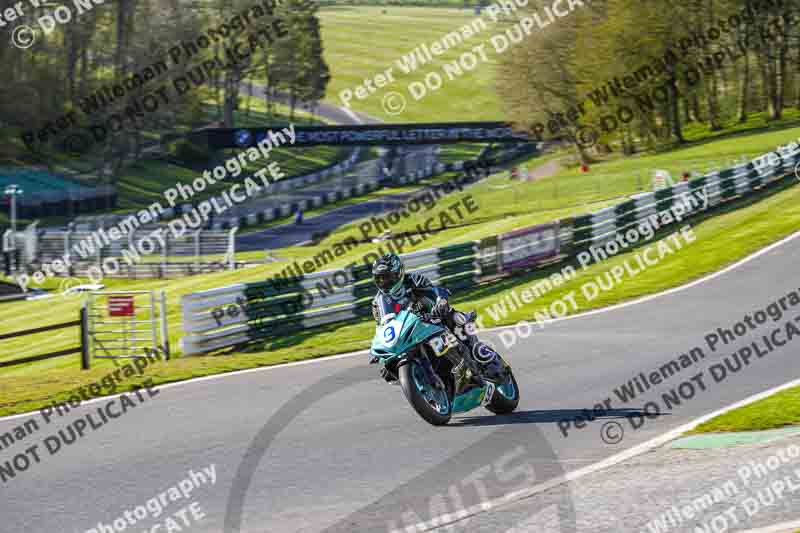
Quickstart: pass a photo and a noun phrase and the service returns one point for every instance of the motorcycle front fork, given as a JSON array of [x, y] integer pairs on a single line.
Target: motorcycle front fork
[[433, 378]]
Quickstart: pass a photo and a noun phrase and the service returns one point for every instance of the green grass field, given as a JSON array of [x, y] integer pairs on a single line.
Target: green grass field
[[777, 411], [142, 183], [743, 232], [385, 34], [393, 34], [505, 204]]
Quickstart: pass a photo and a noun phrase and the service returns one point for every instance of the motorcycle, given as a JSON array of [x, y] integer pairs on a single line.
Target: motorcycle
[[438, 373]]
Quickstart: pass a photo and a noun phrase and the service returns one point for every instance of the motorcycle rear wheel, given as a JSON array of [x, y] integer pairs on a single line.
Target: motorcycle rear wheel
[[432, 404]]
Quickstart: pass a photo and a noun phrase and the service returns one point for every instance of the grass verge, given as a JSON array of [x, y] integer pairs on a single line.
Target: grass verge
[[777, 411], [720, 241]]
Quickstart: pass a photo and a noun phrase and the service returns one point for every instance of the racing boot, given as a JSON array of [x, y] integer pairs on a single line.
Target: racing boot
[[489, 363], [462, 324]]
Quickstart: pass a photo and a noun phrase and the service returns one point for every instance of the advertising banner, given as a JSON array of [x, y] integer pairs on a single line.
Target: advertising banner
[[526, 247], [363, 135]]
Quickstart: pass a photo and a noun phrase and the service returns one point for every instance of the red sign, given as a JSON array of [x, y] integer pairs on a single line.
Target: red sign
[[120, 306]]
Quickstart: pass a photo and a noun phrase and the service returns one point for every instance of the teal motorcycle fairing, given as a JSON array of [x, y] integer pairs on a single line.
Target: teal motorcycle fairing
[[469, 400], [401, 333]]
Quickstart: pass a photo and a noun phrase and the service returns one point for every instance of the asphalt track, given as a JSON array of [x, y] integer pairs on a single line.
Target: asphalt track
[[329, 112], [291, 234], [328, 446]]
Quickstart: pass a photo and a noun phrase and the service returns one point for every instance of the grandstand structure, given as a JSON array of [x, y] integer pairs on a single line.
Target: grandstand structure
[[47, 194]]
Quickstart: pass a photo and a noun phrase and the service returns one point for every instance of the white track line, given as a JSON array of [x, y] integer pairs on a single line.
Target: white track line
[[577, 474], [673, 290], [639, 449], [321, 360], [208, 378], [352, 115]]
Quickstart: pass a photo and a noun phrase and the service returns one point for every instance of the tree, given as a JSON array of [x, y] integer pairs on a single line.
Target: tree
[[537, 79]]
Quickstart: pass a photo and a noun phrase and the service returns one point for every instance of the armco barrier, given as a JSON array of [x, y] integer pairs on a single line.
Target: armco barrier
[[244, 312], [268, 214], [229, 316], [595, 229]]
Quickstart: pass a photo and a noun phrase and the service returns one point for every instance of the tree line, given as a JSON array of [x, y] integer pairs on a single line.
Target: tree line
[[675, 63], [110, 43]]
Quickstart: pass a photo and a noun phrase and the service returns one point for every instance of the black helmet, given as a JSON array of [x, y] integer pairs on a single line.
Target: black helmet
[[388, 273]]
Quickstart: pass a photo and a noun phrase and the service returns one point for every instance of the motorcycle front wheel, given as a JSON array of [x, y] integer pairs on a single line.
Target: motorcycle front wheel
[[431, 403]]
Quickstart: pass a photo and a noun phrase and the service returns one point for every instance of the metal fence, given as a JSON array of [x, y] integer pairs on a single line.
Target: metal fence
[[187, 254]]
